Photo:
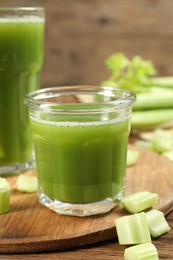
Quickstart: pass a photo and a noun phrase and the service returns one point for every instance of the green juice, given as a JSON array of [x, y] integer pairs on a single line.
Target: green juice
[[80, 162], [21, 57]]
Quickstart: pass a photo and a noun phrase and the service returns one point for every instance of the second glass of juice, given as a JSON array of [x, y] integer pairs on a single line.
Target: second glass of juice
[[80, 139], [21, 59]]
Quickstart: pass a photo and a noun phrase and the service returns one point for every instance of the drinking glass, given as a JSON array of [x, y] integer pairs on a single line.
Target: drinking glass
[[80, 136], [21, 58]]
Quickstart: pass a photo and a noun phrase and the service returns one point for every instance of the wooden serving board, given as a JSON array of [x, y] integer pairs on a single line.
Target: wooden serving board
[[30, 227]]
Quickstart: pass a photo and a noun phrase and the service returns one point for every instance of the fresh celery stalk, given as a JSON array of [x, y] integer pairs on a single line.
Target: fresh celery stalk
[[145, 251], [133, 229], [157, 223], [151, 118], [26, 183], [4, 196], [139, 201], [164, 81], [132, 157], [154, 98]]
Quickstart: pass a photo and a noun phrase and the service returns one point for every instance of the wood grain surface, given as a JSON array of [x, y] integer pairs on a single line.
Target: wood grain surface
[[30, 227]]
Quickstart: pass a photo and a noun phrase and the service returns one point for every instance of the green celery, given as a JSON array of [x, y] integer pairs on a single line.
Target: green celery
[[4, 196], [162, 141], [133, 74], [151, 118], [139, 201], [157, 223], [26, 183], [164, 81], [143, 144], [154, 98], [145, 251], [133, 229], [168, 155], [132, 157], [155, 95]]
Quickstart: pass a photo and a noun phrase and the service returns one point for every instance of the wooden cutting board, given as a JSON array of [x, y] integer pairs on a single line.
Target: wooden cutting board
[[30, 227]]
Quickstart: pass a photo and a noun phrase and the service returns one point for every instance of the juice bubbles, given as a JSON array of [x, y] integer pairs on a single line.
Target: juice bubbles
[[21, 58], [80, 138]]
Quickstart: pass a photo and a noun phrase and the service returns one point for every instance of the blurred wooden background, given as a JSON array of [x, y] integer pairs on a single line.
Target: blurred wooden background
[[80, 34]]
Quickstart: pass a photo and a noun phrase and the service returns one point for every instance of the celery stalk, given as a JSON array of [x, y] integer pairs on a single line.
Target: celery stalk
[[164, 81], [26, 183], [133, 229], [151, 118], [139, 201], [145, 251], [157, 223], [4, 196], [155, 98]]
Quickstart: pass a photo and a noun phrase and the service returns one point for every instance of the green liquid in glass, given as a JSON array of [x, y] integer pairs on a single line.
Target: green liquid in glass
[[21, 56], [80, 162]]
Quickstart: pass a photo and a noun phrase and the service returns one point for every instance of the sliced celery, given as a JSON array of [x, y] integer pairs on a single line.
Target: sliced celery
[[151, 118], [162, 140], [143, 144], [132, 157], [157, 223], [168, 155], [4, 184], [26, 183], [4, 196], [133, 229], [145, 251], [139, 201]]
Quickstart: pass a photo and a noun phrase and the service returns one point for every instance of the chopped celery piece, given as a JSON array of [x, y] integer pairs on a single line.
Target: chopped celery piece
[[147, 136], [4, 196], [151, 118], [145, 251], [133, 229], [162, 141], [4, 184], [139, 201], [143, 144], [157, 223], [26, 183], [132, 157], [168, 155]]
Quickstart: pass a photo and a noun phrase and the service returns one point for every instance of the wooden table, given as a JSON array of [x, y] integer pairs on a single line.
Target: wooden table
[[109, 249], [103, 251]]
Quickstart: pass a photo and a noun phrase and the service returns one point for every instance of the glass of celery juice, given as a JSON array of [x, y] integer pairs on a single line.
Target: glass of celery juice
[[80, 136], [21, 58]]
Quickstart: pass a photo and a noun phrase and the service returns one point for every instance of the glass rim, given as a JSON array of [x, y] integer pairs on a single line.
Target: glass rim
[[39, 8], [36, 100]]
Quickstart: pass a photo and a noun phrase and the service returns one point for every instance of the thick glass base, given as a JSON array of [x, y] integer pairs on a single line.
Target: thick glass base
[[80, 210], [10, 170]]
